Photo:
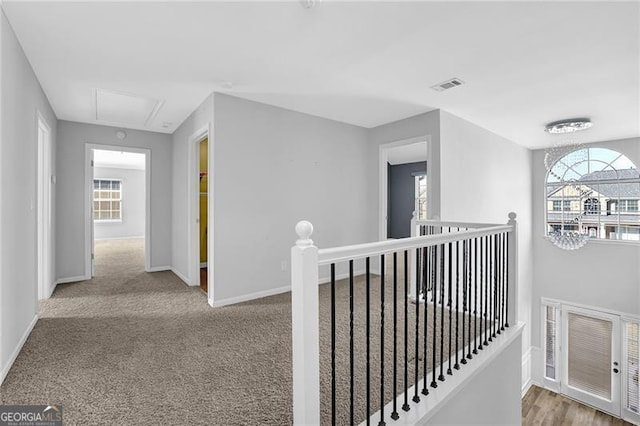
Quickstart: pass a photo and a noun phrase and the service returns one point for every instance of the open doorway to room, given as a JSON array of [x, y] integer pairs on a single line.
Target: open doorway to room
[[404, 183], [200, 240], [203, 208], [118, 202]]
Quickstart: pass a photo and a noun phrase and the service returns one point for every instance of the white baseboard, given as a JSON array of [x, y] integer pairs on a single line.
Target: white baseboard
[[526, 371], [71, 279], [52, 288], [159, 268], [16, 351], [247, 297], [180, 275]]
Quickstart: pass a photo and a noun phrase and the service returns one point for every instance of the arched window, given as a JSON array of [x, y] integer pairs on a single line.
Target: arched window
[[594, 191]]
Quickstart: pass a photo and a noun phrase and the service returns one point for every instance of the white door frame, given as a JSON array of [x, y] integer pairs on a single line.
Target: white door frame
[[383, 174], [88, 203], [614, 405], [193, 230], [44, 212]]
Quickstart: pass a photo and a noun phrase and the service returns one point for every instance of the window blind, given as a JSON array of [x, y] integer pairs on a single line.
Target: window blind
[[631, 359], [550, 342], [589, 354]]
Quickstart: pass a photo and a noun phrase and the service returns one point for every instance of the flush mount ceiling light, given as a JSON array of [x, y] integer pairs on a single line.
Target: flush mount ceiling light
[[568, 126]]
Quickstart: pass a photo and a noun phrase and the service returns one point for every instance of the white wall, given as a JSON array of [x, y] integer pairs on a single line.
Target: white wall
[[601, 274], [133, 204], [491, 397], [484, 177], [20, 97], [201, 117], [273, 167], [70, 222]]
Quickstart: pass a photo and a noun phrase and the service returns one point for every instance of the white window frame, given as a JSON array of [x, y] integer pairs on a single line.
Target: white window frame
[[94, 199], [551, 383], [601, 214]]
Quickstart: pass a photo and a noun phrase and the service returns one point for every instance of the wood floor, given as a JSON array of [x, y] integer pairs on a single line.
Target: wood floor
[[543, 407]]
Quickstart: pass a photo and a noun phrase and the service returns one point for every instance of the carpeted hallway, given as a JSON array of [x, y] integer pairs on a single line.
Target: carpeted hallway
[[131, 347]]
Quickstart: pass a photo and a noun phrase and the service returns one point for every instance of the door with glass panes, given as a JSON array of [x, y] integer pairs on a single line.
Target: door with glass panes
[[592, 356]]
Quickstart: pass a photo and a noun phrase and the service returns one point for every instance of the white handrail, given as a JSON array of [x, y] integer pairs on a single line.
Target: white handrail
[[471, 225], [359, 251]]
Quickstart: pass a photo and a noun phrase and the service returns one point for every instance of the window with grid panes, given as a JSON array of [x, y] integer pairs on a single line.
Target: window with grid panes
[[107, 200]]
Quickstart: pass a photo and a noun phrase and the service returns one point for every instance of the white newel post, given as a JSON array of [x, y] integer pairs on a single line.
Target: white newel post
[[513, 270], [305, 328], [412, 260]]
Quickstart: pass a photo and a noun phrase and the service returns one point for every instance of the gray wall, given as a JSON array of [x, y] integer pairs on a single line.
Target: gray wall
[[604, 274], [402, 198], [20, 97], [133, 204], [491, 397], [484, 177], [274, 167], [70, 223]]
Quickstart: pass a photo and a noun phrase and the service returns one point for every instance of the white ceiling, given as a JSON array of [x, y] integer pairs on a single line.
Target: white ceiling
[[365, 63], [407, 153], [118, 159]]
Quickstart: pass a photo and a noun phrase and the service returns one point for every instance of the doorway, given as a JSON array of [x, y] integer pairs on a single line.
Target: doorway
[[403, 174], [200, 212], [203, 200], [118, 205], [44, 213]]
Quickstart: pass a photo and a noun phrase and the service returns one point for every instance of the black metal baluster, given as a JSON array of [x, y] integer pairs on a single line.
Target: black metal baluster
[[425, 277], [416, 398], [464, 298], [450, 303], [486, 291], [394, 413], [490, 288], [439, 253], [382, 278], [333, 344], [475, 296], [457, 365], [506, 314], [468, 284], [494, 316], [502, 279], [481, 243], [442, 281], [351, 355], [368, 332], [498, 281], [405, 406]]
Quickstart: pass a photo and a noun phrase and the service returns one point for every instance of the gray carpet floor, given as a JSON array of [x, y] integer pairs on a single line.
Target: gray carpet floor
[[137, 348]]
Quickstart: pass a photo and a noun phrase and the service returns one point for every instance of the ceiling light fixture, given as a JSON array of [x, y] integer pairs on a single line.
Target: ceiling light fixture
[[308, 4], [568, 126]]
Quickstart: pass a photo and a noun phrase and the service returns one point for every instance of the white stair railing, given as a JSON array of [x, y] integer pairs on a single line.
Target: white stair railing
[[497, 311]]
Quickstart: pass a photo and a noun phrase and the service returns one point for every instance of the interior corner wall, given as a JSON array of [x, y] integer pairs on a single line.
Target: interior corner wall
[[132, 223], [70, 224], [201, 117], [20, 97], [272, 168], [602, 274], [484, 177]]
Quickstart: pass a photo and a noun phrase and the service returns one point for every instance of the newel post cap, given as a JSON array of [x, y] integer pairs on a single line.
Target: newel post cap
[[512, 217], [304, 229]]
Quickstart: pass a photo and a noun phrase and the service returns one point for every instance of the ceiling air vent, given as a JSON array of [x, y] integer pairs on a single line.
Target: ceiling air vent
[[454, 82]]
